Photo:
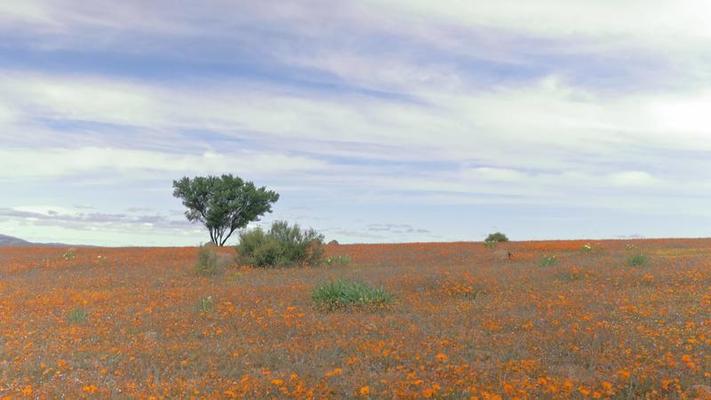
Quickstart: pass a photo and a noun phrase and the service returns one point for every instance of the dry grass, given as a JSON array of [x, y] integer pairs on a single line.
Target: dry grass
[[466, 323]]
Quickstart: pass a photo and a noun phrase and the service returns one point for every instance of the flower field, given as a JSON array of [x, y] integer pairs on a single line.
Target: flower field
[[466, 322]]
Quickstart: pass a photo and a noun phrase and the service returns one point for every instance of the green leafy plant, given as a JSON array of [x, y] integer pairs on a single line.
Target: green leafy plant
[[637, 260], [496, 237], [338, 260], [586, 248], [547, 261], [206, 304], [223, 204], [344, 293], [207, 263], [282, 245], [77, 316]]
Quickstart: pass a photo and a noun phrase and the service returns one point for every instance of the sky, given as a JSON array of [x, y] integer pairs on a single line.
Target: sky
[[376, 121]]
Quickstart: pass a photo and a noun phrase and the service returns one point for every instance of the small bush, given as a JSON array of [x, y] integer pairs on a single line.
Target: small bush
[[637, 260], [496, 237], [282, 245], [338, 260], [586, 248], [77, 316], [342, 294], [206, 304], [547, 261], [70, 254], [207, 264]]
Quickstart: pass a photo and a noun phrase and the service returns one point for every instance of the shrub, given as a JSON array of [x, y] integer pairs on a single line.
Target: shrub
[[637, 260], [586, 248], [338, 260], [207, 264], [547, 261], [343, 293], [282, 245], [77, 316], [496, 237], [70, 254]]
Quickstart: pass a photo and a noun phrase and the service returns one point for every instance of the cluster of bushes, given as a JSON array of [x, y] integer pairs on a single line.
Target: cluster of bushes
[[281, 245]]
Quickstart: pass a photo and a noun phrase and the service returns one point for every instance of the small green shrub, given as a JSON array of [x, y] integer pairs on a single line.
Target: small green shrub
[[206, 304], [496, 237], [586, 248], [338, 260], [547, 261], [207, 264], [637, 260], [70, 254], [282, 245], [343, 293], [77, 316]]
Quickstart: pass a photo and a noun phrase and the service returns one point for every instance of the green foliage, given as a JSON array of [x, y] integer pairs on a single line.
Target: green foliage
[[547, 261], [223, 204], [207, 263], [637, 260], [77, 316], [586, 248], [282, 245], [343, 293], [70, 254], [338, 260], [496, 237], [206, 304]]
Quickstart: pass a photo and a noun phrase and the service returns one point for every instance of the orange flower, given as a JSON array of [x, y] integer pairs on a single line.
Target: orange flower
[[91, 389], [441, 357], [364, 391], [27, 390], [277, 382], [334, 372]]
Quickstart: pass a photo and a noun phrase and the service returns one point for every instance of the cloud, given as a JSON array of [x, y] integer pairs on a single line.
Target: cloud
[[56, 162]]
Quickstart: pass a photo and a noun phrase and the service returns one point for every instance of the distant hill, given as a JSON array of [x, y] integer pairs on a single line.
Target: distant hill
[[7, 241], [13, 241]]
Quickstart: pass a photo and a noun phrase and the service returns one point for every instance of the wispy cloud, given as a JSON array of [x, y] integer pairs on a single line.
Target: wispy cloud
[[357, 107]]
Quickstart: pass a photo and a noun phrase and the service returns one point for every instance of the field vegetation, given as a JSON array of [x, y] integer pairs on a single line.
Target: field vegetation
[[444, 321]]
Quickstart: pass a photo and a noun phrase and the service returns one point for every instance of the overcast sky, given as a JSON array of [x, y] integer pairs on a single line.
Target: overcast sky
[[376, 121]]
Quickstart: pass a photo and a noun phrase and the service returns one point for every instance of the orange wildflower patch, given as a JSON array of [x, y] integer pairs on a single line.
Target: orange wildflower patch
[[467, 322]]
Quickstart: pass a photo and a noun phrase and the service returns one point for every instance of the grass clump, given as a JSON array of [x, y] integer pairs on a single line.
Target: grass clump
[[206, 304], [637, 260], [341, 294], [207, 263], [547, 261], [281, 245], [77, 316], [337, 260]]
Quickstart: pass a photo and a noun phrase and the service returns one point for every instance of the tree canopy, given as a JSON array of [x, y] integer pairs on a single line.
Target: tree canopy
[[223, 203]]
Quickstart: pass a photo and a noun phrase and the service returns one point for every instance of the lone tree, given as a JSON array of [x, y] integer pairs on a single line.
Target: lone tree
[[223, 204]]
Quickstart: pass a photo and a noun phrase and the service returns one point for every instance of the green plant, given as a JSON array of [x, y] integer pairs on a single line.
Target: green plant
[[344, 293], [338, 260], [70, 254], [636, 260], [207, 264], [282, 245], [547, 261], [77, 316], [206, 304], [586, 248], [223, 203], [496, 237]]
